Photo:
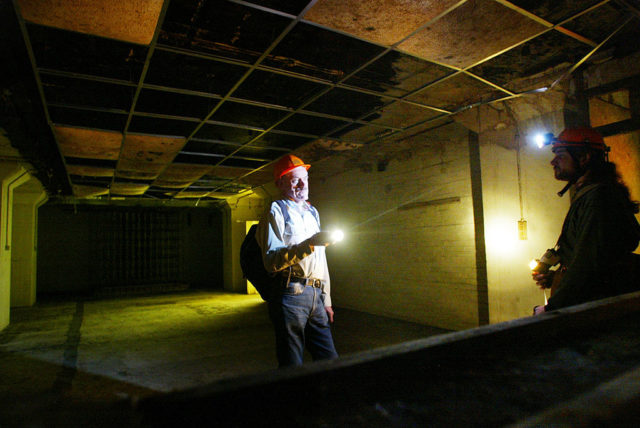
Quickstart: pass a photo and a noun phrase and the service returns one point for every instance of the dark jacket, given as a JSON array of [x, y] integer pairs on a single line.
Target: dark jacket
[[598, 238]]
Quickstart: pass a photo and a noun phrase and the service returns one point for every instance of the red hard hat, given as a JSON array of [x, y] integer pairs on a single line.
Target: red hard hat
[[286, 164], [580, 137]]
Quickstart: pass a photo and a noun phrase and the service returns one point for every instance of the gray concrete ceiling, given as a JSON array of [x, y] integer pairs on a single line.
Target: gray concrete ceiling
[[195, 99]]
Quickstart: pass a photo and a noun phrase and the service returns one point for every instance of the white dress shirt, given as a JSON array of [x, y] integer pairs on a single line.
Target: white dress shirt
[[287, 245]]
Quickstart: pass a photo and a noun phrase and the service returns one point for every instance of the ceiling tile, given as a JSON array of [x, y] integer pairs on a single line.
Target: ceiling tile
[[96, 182], [81, 191], [598, 24], [128, 189], [132, 20], [91, 162], [143, 157], [457, 92], [472, 32], [221, 194], [417, 130], [385, 22], [85, 143], [401, 115], [549, 50], [90, 171], [397, 74], [293, 7], [554, 11], [359, 134], [181, 175], [192, 194]]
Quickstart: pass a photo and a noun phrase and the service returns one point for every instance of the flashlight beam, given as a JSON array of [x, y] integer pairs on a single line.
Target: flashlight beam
[[410, 204]]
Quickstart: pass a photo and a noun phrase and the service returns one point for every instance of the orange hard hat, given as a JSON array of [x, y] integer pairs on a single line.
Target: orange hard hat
[[580, 137], [286, 164]]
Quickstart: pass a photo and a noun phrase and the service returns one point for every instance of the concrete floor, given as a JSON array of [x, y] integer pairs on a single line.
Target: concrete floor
[[63, 361]]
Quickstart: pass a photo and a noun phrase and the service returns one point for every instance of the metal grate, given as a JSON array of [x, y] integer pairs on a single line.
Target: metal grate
[[137, 248]]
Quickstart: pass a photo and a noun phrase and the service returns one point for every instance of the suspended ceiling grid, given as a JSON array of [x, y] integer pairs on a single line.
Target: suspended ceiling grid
[[195, 99]]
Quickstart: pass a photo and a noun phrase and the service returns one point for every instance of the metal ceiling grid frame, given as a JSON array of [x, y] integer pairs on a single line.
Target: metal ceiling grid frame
[[223, 88]]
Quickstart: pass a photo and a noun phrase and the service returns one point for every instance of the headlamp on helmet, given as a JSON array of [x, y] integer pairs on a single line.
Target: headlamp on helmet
[[542, 140], [586, 138]]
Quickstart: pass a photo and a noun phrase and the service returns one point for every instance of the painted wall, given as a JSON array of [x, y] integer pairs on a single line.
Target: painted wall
[[11, 176], [23, 246], [237, 212]]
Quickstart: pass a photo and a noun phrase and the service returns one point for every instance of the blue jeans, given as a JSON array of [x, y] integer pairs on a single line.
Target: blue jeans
[[299, 319]]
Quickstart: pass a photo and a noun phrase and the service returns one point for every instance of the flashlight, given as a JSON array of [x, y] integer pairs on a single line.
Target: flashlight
[[337, 235], [548, 259]]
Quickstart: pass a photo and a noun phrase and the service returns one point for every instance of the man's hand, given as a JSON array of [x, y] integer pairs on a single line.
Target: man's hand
[[329, 310], [543, 280], [321, 239], [538, 310]]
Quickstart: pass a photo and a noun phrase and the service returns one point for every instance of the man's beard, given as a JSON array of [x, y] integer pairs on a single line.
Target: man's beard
[[562, 175]]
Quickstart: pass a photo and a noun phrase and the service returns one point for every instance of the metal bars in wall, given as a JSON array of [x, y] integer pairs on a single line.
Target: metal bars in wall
[[138, 247]]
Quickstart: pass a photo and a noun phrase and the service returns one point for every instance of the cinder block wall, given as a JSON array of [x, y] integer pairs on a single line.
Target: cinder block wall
[[512, 292], [420, 264], [413, 263]]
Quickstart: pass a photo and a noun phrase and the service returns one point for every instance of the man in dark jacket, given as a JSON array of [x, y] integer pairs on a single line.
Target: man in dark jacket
[[600, 231]]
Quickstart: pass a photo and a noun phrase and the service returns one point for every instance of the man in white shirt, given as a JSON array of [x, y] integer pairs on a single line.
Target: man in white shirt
[[300, 309]]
